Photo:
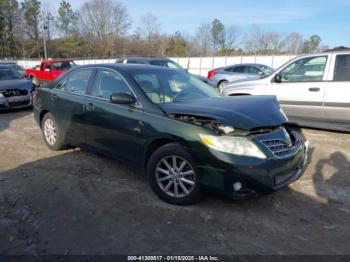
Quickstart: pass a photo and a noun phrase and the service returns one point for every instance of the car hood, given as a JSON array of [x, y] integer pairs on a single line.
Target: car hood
[[242, 112], [252, 80], [16, 84]]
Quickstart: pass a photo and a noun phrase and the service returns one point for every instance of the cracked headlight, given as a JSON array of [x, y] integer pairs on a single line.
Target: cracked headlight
[[233, 145]]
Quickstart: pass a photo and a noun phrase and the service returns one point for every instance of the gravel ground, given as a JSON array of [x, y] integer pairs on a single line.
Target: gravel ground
[[74, 202]]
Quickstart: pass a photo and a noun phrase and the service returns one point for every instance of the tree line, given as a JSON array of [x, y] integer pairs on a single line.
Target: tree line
[[104, 29]]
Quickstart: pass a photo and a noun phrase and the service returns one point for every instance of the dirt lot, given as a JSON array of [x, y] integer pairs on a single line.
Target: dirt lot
[[73, 202]]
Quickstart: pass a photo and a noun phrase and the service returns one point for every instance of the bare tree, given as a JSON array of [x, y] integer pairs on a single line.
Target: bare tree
[[102, 18], [201, 40], [252, 40], [149, 27], [148, 33], [293, 43], [260, 42], [231, 39]]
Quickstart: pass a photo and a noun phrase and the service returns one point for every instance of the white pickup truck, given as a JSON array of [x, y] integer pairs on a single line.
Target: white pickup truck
[[313, 90]]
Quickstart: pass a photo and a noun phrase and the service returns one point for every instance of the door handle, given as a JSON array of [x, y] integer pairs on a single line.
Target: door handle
[[89, 107], [314, 89], [53, 97]]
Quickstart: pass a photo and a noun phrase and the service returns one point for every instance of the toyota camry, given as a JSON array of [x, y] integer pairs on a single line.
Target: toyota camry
[[174, 128]]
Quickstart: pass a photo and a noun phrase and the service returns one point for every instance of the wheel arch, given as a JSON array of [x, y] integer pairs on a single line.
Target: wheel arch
[[42, 114], [222, 80], [240, 94], [152, 147]]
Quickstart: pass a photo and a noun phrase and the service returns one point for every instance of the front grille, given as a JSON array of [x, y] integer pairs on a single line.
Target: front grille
[[14, 92], [19, 103], [283, 148]]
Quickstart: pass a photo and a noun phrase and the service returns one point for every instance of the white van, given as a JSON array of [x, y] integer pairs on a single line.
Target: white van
[[313, 90]]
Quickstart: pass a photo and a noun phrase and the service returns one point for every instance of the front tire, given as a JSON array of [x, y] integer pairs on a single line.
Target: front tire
[[173, 175], [51, 133]]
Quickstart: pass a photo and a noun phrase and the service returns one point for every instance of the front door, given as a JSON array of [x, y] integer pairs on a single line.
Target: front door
[[113, 129], [301, 88], [337, 96]]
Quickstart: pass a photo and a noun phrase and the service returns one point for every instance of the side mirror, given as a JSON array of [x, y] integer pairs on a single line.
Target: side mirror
[[122, 98], [47, 70], [278, 78]]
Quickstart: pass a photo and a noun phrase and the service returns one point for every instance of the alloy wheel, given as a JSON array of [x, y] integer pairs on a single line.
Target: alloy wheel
[[175, 176], [50, 131]]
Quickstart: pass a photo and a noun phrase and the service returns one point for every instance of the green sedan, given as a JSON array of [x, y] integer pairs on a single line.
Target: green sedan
[[174, 128]]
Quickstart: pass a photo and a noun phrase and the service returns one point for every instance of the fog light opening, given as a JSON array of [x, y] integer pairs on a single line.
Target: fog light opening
[[237, 186]]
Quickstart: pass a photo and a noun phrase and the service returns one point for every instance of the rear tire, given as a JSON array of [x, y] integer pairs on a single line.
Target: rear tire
[[51, 133], [173, 175], [221, 85]]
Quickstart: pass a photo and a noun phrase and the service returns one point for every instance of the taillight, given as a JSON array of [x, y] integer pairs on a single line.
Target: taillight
[[211, 73]]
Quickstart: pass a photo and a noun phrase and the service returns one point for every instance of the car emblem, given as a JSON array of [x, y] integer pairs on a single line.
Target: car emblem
[[287, 137]]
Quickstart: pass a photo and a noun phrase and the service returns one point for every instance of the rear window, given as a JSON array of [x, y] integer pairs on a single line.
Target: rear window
[[64, 65], [133, 61], [165, 63], [342, 68]]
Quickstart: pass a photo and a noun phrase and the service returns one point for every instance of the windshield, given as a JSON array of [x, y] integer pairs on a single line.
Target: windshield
[[266, 69], [9, 74], [19, 68], [172, 86], [166, 63], [64, 65]]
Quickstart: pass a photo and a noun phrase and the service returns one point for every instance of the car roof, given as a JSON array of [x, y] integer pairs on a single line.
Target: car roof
[[146, 58], [4, 62], [130, 67], [56, 60], [244, 64], [4, 66]]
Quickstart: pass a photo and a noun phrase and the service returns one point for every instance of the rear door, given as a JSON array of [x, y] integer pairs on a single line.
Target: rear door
[[302, 87], [237, 72], [68, 98], [113, 129], [337, 95]]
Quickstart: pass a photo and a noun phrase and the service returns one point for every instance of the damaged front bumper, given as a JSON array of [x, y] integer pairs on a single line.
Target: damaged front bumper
[[240, 177]]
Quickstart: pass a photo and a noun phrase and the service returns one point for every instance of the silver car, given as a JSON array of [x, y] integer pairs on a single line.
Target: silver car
[[221, 76]]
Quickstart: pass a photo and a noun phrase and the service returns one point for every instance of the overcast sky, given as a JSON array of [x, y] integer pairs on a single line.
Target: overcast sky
[[329, 19]]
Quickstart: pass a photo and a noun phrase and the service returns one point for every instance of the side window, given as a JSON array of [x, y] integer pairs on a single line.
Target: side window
[[305, 70], [342, 68], [135, 61], [239, 69], [76, 82], [151, 86], [107, 82], [229, 69], [158, 63], [47, 68], [252, 70]]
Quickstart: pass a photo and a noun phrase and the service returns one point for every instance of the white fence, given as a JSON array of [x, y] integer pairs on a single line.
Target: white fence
[[195, 65]]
